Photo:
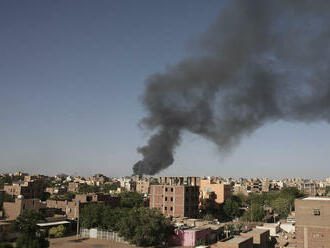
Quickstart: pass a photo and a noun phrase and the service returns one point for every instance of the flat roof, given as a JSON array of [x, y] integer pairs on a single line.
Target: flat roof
[[53, 223], [317, 199], [256, 231], [237, 239]]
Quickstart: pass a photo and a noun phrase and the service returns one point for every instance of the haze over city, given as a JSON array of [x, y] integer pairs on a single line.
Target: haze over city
[[72, 77]]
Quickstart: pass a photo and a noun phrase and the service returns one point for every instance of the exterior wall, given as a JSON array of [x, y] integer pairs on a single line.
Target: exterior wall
[[246, 243], [260, 237], [221, 191], [6, 231], [174, 200], [73, 187], [142, 186], [29, 189], [189, 237], [313, 231], [70, 208], [13, 209]]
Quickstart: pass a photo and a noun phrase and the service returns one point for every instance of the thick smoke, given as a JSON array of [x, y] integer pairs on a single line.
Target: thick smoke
[[260, 62]]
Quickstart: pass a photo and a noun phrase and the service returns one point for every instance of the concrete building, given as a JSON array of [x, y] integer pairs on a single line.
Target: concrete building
[[308, 188], [142, 186], [260, 237], [235, 242], [313, 222], [189, 236], [175, 200], [189, 181], [220, 191]]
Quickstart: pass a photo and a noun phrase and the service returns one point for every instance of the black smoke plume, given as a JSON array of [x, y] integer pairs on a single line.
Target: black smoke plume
[[261, 61]]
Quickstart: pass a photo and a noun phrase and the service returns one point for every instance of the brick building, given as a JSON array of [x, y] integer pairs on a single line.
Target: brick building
[[219, 190], [11, 210], [28, 189], [175, 200], [72, 208], [313, 222]]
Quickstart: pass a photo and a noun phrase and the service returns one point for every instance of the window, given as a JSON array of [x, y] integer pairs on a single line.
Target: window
[[171, 198], [171, 208], [171, 189], [166, 189], [165, 208], [165, 198], [316, 212]]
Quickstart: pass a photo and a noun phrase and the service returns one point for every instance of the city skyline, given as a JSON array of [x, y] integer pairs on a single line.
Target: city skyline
[[72, 76]]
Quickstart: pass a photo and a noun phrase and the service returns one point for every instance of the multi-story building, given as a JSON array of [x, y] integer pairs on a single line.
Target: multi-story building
[[308, 188], [313, 222], [175, 200], [189, 181], [220, 191], [142, 186]]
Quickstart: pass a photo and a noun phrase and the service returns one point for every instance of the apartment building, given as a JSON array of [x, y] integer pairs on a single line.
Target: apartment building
[[175, 200], [189, 181], [313, 222], [142, 186], [219, 190]]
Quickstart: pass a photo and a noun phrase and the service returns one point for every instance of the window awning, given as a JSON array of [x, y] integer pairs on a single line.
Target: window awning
[[53, 223]]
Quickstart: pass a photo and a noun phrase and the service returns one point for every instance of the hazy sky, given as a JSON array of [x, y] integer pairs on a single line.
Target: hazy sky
[[71, 78]]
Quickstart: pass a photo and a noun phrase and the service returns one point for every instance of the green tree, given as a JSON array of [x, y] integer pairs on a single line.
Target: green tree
[[145, 227], [254, 213], [91, 215], [282, 206], [131, 199], [231, 209], [26, 224], [6, 245]]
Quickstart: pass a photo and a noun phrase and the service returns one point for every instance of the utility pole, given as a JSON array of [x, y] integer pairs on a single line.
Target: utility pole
[[78, 203]]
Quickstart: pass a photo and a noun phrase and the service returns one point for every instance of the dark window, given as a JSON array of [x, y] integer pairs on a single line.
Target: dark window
[[166, 189], [171, 198], [171, 208], [165, 208], [171, 189], [165, 198], [316, 212]]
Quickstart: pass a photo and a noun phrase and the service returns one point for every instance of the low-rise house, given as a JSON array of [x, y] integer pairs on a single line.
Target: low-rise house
[[261, 237], [235, 242], [190, 236], [11, 210]]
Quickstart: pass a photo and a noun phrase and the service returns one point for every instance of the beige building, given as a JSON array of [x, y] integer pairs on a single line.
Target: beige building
[[142, 186], [220, 190], [313, 222]]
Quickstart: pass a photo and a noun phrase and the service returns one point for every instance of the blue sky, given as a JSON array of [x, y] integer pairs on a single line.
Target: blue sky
[[71, 77]]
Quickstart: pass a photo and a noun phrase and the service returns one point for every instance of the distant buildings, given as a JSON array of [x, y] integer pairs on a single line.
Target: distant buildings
[[220, 191]]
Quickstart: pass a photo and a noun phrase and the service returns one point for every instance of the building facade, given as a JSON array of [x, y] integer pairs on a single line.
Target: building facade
[[313, 222], [175, 200]]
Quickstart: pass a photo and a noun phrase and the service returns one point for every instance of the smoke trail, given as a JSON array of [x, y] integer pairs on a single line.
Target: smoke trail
[[261, 61]]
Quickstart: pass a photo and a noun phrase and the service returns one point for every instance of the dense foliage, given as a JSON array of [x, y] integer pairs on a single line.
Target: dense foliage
[[140, 226], [26, 225], [131, 199]]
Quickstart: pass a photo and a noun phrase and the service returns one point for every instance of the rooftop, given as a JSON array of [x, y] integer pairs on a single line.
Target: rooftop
[[317, 199], [237, 239]]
